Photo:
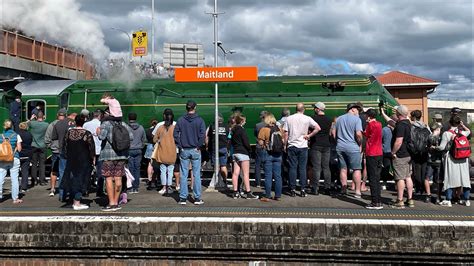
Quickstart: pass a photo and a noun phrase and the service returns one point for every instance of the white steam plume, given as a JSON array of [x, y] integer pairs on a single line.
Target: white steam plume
[[58, 21]]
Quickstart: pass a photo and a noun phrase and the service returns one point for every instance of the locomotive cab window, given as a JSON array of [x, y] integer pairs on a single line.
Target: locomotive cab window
[[34, 106], [64, 100]]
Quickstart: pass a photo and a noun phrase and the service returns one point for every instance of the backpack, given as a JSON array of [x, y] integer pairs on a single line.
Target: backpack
[[6, 151], [120, 137], [420, 137], [460, 146], [275, 144]]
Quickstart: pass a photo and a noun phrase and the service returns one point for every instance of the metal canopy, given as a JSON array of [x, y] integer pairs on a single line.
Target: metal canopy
[[43, 87]]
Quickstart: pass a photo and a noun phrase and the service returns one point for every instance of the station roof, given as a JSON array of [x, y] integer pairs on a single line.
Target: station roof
[[398, 78], [43, 87]]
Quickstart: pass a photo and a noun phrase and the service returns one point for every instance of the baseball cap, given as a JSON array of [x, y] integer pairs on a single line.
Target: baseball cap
[[353, 105], [402, 109], [455, 110], [438, 116], [85, 112], [320, 105], [191, 105], [263, 114], [62, 112]]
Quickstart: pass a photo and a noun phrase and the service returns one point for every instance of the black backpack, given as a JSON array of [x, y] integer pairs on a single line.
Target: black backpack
[[275, 144], [420, 137], [120, 137]]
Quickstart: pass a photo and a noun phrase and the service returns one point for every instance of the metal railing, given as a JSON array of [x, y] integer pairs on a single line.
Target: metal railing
[[14, 44]]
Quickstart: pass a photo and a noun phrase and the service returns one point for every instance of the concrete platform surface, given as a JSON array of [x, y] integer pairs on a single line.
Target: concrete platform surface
[[220, 204]]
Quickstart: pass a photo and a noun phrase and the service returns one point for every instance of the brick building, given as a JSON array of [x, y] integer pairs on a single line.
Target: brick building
[[409, 90]]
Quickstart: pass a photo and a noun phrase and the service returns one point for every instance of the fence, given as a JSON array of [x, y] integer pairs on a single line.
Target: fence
[[14, 44]]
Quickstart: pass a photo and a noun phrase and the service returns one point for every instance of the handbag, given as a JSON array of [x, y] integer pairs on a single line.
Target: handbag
[[6, 151]]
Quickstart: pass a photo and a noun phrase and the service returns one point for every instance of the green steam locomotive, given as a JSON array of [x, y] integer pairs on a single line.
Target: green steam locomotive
[[148, 98]]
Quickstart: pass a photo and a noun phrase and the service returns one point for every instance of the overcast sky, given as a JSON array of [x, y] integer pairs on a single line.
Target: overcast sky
[[430, 38]]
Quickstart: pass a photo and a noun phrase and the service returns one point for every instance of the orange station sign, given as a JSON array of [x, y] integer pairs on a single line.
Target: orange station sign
[[216, 74]]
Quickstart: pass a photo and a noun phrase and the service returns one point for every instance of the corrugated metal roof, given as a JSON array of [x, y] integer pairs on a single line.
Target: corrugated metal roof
[[43, 87]]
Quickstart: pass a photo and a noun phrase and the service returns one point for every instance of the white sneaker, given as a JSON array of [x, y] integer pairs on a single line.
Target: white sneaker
[[467, 203], [198, 202], [80, 207], [384, 187], [446, 203], [51, 194], [162, 191]]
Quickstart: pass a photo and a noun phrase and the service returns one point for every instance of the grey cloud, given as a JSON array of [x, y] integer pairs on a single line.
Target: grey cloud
[[431, 38]]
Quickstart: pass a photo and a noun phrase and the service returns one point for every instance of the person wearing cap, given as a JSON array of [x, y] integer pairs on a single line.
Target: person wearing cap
[[260, 151], [189, 135], [387, 133], [53, 145], [85, 113], [59, 132], [38, 129], [223, 132], [348, 135], [285, 113], [435, 159], [438, 118], [296, 130], [135, 151], [320, 149], [15, 112], [455, 111], [401, 158]]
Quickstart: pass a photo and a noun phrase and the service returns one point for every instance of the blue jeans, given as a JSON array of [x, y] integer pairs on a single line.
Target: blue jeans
[[297, 158], [259, 162], [273, 171], [98, 174], [466, 192], [186, 156], [14, 168], [166, 173], [134, 162], [62, 168]]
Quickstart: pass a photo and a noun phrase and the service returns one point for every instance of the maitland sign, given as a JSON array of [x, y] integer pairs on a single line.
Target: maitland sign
[[216, 74]]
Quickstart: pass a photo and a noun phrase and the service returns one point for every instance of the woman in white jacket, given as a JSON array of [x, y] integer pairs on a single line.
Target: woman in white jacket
[[456, 171]]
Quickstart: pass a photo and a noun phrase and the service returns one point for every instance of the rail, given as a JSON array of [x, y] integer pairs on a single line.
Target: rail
[[17, 45]]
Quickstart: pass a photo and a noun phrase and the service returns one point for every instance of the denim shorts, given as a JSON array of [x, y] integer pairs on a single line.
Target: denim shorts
[[55, 163], [351, 160], [239, 157], [222, 156]]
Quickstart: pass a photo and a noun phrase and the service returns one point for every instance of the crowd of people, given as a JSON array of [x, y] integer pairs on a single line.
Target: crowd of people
[[116, 67], [101, 150]]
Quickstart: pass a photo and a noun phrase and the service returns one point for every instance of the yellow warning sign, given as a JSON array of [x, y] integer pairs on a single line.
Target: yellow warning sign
[[139, 43]]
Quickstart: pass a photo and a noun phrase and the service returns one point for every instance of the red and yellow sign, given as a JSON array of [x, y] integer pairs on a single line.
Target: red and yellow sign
[[139, 43], [216, 74]]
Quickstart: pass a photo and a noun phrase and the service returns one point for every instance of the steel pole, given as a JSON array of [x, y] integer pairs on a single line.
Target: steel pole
[[216, 88], [152, 31], [129, 41]]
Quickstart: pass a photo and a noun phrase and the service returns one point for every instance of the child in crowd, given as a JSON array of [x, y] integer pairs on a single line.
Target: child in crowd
[[114, 107]]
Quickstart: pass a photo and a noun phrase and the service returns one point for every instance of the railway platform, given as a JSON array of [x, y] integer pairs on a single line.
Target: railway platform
[[152, 227]]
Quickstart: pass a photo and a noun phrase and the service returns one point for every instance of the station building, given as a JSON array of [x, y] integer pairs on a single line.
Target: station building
[[409, 90]]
